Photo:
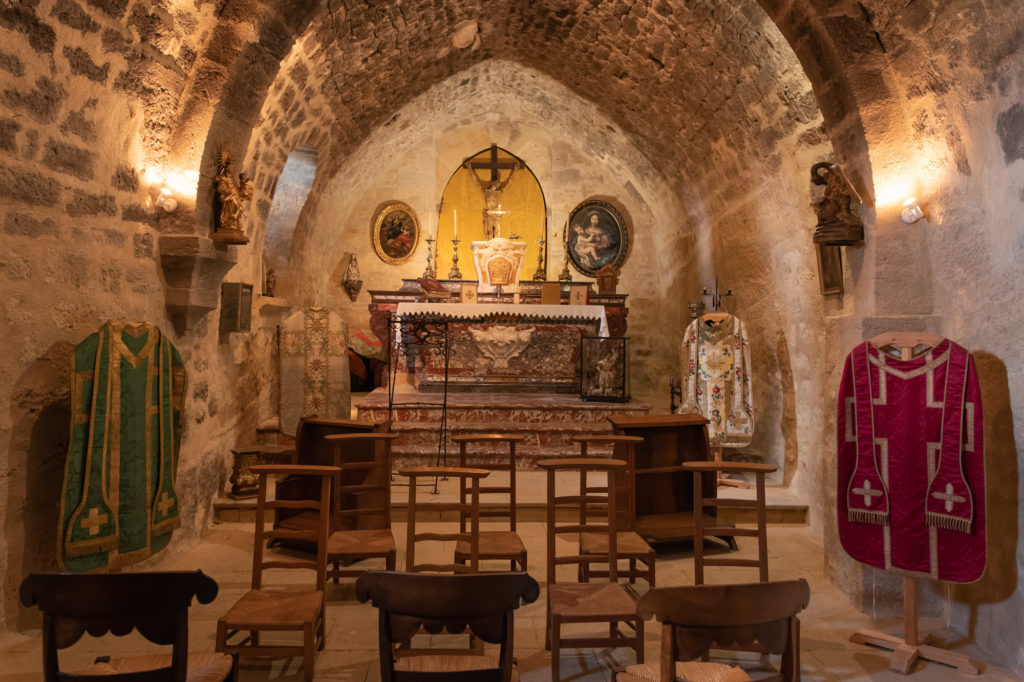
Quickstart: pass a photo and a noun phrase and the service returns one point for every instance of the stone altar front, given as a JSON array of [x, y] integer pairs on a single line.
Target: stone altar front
[[496, 347]]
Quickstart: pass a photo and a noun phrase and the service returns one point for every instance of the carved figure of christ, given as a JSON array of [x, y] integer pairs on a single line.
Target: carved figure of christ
[[492, 187]]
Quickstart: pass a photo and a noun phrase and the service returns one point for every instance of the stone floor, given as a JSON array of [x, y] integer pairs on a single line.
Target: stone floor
[[351, 651]]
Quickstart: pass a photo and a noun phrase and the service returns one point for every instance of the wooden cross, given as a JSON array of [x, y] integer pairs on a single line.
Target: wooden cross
[[867, 492], [948, 497], [165, 503], [493, 165], [93, 522]]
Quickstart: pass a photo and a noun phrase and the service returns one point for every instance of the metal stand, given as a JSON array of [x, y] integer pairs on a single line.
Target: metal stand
[[455, 273], [409, 335]]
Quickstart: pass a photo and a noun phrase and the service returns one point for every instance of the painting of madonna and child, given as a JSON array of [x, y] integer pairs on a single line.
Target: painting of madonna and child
[[396, 231], [595, 236]]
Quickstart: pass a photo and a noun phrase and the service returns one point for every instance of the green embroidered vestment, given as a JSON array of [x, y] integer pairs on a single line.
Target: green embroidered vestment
[[119, 503]]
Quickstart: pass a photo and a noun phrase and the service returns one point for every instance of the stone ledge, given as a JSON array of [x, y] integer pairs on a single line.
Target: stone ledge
[[193, 269]]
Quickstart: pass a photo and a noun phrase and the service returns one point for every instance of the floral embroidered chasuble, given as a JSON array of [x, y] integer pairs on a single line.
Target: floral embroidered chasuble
[[314, 367], [911, 469], [715, 363], [119, 504]]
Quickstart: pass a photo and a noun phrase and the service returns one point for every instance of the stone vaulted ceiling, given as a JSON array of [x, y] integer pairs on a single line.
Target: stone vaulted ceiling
[[676, 75]]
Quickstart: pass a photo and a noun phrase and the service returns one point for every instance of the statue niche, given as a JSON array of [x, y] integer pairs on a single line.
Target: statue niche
[[838, 225]]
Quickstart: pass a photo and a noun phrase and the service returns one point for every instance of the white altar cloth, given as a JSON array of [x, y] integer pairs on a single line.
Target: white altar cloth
[[496, 311]]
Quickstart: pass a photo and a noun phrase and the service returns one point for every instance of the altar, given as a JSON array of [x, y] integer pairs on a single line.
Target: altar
[[502, 347]]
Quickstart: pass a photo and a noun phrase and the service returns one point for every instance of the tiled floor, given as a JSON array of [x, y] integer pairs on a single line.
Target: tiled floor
[[351, 651]]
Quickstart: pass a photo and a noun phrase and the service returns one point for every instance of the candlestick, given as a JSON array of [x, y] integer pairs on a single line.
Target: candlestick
[[455, 223], [541, 275], [454, 273], [431, 271]]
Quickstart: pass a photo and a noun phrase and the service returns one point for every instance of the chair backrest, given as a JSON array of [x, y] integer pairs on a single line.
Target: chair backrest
[[483, 602], [155, 604], [472, 536], [321, 505], [701, 530], [362, 491], [585, 502], [622, 447], [697, 617], [474, 460]]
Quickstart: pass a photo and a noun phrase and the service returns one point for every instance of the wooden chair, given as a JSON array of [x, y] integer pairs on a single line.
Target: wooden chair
[[594, 602], [295, 608], [484, 602], [470, 477], [155, 604], [700, 530], [313, 449], [630, 545], [494, 544], [361, 503], [697, 618]]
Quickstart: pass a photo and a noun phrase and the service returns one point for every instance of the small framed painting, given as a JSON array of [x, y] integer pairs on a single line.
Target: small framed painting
[[395, 232], [468, 293], [579, 294], [596, 236], [603, 371]]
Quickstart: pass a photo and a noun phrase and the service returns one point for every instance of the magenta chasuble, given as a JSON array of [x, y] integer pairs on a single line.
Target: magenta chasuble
[[911, 470]]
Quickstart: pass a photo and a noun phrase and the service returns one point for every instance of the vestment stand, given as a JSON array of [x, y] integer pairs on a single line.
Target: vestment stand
[[910, 648]]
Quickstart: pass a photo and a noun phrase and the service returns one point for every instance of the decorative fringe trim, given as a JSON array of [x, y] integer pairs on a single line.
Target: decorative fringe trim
[[956, 523], [865, 516], [73, 550]]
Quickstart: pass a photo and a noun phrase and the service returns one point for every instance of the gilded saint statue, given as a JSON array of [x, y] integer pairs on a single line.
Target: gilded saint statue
[[230, 199], [492, 189]]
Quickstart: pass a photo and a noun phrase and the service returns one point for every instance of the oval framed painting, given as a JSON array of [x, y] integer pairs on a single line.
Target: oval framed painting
[[396, 232], [596, 236]]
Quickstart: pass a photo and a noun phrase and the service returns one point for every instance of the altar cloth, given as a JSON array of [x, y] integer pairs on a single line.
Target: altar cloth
[[500, 312]]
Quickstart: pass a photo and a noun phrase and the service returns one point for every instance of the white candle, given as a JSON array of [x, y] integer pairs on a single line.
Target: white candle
[[455, 214]]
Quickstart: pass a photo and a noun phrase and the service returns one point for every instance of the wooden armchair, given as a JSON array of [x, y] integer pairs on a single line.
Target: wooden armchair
[[361, 503], [630, 545], [595, 602], [155, 604], [696, 618], [297, 608], [494, 544], [483, 602]]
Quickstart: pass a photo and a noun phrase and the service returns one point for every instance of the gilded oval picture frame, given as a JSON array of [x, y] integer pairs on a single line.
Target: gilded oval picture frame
[[395, 232], [596, 236]]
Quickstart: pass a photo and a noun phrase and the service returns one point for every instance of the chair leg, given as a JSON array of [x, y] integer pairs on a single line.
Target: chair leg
[[632, 571], [639, 648], [337, 571], [555, 635], [308, 651]]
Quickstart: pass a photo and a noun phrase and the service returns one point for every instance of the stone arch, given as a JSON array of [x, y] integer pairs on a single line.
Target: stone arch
[[290, 191]]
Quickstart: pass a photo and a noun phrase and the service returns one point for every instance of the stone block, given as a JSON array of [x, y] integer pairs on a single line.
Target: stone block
[[125, 179], [82, 65], [110, 279], [8, 132], [11, 64], [28, 187], [76, 123], [42, 103], [22, 19], [83, 203], [1010, 129], [67, 158], [142, 245], [27, 226], [113, 8], [115, 41], [72, 14]]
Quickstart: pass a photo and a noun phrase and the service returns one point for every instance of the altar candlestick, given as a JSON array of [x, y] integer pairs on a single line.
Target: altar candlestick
[[455, 273], [455, 218]]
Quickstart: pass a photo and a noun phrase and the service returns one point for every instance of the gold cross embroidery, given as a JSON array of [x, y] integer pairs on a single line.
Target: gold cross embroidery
[[948, 497], [93, 522], [867, 492], [165, 504]]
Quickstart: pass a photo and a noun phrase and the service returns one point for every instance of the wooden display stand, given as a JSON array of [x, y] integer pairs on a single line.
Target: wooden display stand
[[663, 489], [910, 648]]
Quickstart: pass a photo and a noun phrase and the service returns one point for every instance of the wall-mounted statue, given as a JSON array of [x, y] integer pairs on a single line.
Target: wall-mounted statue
[[230, 198], [838, 224]]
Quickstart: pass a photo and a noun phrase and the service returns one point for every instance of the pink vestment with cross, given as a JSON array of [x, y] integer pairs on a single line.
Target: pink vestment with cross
[[911, 469]]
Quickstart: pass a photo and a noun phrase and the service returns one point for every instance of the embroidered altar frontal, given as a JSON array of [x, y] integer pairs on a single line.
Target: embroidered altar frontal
[[119, 504], [911, 470]]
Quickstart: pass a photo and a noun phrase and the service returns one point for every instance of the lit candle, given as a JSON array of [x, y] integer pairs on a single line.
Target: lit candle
[[455, 214]]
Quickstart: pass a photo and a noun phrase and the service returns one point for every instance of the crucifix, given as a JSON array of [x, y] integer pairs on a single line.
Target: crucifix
[[492, 187]]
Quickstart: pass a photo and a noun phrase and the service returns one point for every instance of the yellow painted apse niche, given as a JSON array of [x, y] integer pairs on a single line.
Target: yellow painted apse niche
[[522, 199]]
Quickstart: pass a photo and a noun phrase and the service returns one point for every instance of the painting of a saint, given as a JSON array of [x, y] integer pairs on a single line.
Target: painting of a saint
[[396, 232], [595, 236]]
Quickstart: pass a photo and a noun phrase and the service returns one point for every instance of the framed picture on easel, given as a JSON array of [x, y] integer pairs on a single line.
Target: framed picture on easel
[[604, 374], [830, 268]]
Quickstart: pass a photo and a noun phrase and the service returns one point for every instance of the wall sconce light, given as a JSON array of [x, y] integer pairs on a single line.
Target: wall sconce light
[[166, 201], [912, 211]]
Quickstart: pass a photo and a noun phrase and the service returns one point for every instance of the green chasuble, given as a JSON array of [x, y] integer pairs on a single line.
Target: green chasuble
[[119, 504]]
